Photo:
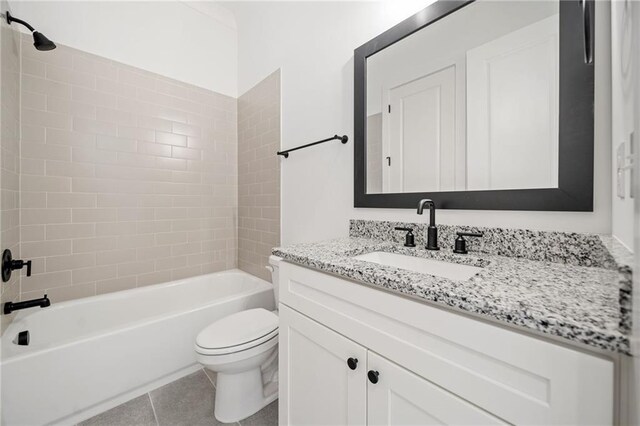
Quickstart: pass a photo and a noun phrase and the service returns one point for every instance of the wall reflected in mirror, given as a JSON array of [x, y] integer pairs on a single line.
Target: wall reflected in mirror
[[470, 102]]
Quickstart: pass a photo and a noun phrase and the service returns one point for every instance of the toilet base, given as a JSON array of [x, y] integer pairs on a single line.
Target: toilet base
[[240, 395]]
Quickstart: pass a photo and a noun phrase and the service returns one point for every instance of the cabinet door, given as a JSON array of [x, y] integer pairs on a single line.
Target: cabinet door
[[402, 398], [317, 386]]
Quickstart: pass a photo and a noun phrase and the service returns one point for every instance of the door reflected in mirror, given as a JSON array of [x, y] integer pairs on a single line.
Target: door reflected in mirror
[[470, 102]]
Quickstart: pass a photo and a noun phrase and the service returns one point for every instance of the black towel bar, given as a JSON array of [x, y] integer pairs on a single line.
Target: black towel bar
[[342, 138]]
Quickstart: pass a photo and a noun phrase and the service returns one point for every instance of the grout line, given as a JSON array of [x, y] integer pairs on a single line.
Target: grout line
[[210, 381], [155, 416]]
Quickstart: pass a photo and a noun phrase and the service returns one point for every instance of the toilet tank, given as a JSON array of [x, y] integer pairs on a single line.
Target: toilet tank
[[274, 267]]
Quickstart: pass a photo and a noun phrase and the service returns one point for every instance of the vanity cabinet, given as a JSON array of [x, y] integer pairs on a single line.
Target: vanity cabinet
[[327, 379], [434, 366]]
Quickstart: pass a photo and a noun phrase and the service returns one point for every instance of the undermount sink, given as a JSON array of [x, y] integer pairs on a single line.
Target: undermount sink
[[438, 268]]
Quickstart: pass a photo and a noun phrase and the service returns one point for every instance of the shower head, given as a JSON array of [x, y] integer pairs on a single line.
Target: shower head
[[40, 41]]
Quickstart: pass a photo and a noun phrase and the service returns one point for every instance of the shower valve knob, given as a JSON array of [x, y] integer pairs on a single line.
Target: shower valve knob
[[10, 264]]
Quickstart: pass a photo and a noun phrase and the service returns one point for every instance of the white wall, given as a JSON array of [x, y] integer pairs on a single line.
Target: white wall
[[313, 43], [190, 42], [635, 408], [623, 44]]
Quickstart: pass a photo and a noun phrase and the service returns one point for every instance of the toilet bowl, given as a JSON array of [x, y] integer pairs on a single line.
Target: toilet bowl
[[242, 349]]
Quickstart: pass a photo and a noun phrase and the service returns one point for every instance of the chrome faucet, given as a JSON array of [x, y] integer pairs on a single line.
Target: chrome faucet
[[432, 230]]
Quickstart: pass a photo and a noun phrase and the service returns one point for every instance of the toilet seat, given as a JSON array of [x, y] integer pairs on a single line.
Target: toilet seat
[[238, 332]]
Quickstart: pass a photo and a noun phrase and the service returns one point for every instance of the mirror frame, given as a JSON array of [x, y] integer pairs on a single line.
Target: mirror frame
[[576, 123]]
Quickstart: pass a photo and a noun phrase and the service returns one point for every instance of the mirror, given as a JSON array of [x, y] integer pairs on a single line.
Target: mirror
[[467, 103], [479, 111]]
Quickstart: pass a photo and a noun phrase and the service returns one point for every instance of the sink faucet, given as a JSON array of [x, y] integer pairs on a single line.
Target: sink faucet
[[432, 230]]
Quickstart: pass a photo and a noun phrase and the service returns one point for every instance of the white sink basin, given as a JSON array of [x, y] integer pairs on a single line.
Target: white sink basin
[[452, 271]]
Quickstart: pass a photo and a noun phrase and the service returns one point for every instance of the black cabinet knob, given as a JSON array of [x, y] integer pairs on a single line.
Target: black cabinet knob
[[352, 363], [373, 376]]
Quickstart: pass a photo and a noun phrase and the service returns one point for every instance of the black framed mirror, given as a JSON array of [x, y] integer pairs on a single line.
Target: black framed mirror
[[478, 105]]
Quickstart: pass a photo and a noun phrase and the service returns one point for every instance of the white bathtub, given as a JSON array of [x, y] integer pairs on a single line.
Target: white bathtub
[[89, 355]]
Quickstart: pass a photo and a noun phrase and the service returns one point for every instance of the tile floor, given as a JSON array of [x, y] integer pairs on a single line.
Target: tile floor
[[187, 401]]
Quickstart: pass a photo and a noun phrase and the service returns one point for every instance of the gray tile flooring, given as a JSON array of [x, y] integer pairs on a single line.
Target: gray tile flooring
[[186, 402]]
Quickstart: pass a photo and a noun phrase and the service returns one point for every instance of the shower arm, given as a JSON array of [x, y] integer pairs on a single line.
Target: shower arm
[[11, 19], [40, 41]]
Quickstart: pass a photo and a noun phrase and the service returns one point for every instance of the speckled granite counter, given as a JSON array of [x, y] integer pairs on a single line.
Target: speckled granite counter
[[563, 297]]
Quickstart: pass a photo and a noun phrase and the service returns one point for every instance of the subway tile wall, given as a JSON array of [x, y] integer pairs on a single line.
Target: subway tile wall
[[259, 175], [128, 178], [9, 157]]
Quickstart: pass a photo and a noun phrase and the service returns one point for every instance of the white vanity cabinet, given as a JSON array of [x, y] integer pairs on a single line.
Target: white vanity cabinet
[[328, 379], [434, 366]]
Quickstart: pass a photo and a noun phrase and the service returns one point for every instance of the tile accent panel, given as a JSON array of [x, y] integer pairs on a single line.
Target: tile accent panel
[[259, 175], [9, 157], [128, 178]]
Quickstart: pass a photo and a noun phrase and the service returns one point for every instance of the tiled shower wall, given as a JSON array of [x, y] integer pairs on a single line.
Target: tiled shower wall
[[128, 178], [259, 175], [9, 156]]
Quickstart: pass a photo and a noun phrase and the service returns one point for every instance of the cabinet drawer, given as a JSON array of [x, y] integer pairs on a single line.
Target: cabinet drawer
[[519, 378]]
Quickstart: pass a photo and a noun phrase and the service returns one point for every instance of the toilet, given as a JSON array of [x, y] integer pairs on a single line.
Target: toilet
[[242, 349]]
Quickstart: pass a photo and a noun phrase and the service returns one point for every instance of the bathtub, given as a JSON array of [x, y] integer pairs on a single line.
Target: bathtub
[[91, 354]]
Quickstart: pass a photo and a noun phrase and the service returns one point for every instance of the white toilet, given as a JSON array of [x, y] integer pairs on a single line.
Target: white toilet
[[242, 349]]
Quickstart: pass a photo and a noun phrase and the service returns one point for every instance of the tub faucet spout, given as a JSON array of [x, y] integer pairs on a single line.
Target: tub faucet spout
[[43, 302]]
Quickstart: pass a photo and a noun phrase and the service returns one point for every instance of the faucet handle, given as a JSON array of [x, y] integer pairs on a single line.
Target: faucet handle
[[460, 246], [10, 264], [409, 239], [19, 264]]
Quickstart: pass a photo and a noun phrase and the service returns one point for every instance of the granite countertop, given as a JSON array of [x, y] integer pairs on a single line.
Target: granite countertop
[[562, 297]]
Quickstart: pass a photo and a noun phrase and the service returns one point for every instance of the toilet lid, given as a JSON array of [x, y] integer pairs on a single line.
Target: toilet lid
[[239, 331]]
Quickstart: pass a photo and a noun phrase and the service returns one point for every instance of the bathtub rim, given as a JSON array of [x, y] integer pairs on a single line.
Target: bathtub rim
[[16, 355]]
